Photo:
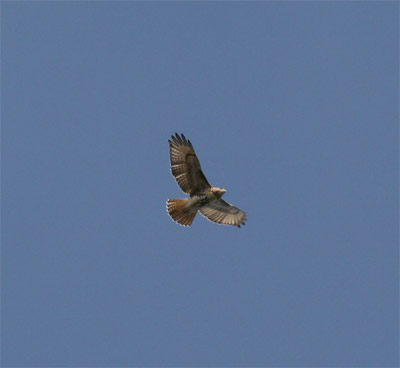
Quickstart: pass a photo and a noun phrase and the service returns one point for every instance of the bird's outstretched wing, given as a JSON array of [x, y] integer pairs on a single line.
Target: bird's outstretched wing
[[222, 212], [185, 166]]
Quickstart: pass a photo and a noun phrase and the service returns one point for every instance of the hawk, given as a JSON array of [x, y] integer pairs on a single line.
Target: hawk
[[186, 169]]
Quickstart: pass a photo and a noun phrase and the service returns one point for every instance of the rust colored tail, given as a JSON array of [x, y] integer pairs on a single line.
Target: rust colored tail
[[178, 212]]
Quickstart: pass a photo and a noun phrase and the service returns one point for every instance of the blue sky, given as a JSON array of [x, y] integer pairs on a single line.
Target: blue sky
[[291, 106]]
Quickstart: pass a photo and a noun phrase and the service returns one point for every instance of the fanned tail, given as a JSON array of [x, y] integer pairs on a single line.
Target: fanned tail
[[177, 210]]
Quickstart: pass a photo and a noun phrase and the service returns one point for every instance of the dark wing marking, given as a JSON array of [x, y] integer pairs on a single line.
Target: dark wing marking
[[185, 166]]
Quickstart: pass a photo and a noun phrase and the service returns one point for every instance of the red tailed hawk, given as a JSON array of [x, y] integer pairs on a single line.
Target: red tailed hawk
[[185, 167]]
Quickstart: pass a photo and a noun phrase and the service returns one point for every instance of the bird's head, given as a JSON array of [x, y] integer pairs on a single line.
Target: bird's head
[[218, 192]]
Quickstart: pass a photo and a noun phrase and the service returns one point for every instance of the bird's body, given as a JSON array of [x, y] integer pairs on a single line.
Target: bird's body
[[186, 169]]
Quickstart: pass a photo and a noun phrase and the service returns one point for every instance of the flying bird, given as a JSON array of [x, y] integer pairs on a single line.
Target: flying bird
[[186, 169]]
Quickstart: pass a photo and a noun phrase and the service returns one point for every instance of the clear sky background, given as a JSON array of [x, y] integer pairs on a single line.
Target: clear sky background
[[291, 106]]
